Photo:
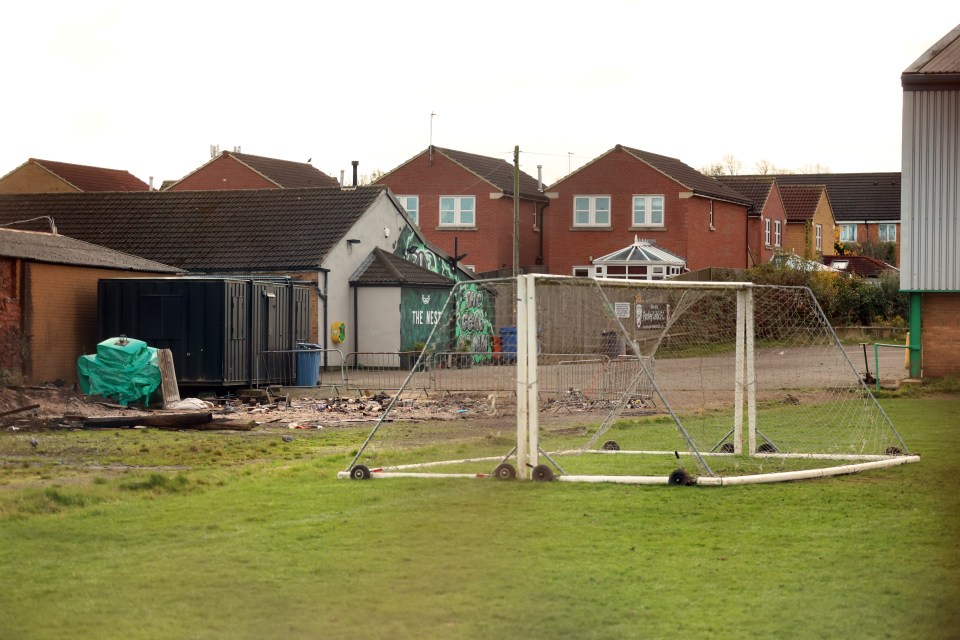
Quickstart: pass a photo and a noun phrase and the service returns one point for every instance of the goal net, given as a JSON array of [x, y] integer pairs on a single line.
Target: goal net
[[624, 381]]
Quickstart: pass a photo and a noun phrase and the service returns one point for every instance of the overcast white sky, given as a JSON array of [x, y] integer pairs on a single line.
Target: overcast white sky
[[149, 86]]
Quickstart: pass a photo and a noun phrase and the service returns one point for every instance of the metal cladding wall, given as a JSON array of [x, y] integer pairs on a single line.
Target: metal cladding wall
[[215, 327], [930, 191]]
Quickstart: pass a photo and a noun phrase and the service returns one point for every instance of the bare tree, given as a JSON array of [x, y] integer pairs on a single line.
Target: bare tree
[[731, 165], [816, 167], [372, 177], [714, 169]]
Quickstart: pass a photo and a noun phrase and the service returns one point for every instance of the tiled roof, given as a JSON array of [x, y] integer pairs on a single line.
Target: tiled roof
[[496, 171], [856, 197], [244, 230], [688, 176], [382, 268], [86, 178], [864, 266], [756, 188], [287, 174], [800, 200], [57, 249]]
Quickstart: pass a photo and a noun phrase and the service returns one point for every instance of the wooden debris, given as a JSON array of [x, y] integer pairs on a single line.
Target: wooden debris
[[29, 407]]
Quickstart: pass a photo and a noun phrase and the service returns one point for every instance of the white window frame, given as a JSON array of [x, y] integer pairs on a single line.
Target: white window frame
[[647, 210], [819, 236], [766, 232], [582, 272], [845, 232], [889, 227], [458, 211], [592, 210], [412, 211], [776, 233]]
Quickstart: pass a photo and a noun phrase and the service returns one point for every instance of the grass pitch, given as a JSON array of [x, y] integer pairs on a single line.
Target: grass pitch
[[153, 534]]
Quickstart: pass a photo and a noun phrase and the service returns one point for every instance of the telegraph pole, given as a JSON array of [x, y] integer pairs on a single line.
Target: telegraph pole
[[516, 211]]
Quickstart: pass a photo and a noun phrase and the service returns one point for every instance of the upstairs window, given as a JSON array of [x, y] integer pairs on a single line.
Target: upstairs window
[[591, 211], [848, 233], [766, 232], [819, 229], [411, 205], [888, 233], [458, 211], [648, 211], [776, 233]]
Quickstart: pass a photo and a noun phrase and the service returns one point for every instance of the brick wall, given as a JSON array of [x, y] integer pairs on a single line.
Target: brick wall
[[11, 345], [224, 172], [686, 231], [941, 334], [60, 318], [489, 245], [32, 179]]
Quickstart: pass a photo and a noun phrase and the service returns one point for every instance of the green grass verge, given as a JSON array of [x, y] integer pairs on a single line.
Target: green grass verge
[[263, 541]]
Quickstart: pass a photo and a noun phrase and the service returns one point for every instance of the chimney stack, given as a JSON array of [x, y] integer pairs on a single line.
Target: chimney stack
[[355, 163], [540, 178]]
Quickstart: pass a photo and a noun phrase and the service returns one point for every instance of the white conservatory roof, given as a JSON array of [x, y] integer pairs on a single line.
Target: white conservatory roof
[[641, 252]]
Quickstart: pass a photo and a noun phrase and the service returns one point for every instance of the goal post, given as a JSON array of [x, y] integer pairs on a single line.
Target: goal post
[[646, 382]]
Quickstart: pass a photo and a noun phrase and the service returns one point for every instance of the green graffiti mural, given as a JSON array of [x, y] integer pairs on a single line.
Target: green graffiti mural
[[474, 331], [410, 248], [420, 310]]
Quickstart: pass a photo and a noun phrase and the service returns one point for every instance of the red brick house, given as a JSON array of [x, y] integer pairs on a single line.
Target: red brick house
[[627, 193], [234, 170], [464, 202], [866, 206], [810, 221], [767, 219], [48, 176]]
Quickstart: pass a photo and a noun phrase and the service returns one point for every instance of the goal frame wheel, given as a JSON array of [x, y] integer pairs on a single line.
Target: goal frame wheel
[[505, 471], [360, 472], [542, 473]]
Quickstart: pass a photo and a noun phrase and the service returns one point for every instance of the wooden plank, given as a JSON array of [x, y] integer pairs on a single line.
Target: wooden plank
[[168, 384], [20, 409]]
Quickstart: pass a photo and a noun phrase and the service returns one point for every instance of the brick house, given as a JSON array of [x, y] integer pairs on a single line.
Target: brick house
[[866, 206], [48, 301], [463, 203], [810, 221], [627, 193], [48, 176], [234, 170], [766, 219]]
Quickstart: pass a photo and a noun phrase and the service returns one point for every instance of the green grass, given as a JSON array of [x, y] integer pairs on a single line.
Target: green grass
[[262, 541]]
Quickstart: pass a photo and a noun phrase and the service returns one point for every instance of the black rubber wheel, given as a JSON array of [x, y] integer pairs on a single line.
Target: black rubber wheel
[[727, 447], [611, 445], [680, 478], [894, 451], [766, 447], [505, 471], [542, 473], [360, 472]]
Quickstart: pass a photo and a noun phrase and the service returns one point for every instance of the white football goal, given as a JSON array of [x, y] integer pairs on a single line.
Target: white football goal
[[643, 382]]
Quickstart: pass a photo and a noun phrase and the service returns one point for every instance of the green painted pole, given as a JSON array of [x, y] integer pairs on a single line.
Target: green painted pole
[[915, 324]]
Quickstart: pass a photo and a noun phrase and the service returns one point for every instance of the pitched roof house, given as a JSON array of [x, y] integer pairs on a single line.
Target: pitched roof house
[[235, 170], [766, 219], [48, 301], [866, 206], [627, 192], [810, 220], [316, 235], [463, 203], [48, 176]]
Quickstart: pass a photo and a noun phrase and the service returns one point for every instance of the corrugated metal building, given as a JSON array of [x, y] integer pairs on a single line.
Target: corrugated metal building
[[930, 205]]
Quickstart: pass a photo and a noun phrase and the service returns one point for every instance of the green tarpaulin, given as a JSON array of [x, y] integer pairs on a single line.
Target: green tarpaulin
[[124, 369]]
